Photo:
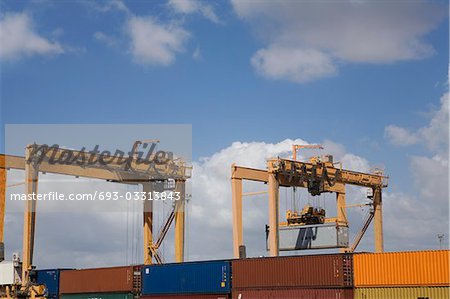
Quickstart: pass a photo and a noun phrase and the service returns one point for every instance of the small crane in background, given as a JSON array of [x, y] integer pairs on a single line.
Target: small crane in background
[[440, 237], [296, 147]]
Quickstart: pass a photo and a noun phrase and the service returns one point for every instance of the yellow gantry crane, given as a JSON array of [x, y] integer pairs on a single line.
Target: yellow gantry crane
[[137, 173], [318, 175]]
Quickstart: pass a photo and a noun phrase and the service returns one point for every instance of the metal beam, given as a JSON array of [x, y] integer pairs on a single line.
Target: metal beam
[[284, 180], [296, 168], [361, 233], [62, 161], [251, 174], [254, 193]]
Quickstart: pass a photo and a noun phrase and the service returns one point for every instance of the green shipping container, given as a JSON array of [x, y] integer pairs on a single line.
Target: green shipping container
[[97, 296], [403, 293]]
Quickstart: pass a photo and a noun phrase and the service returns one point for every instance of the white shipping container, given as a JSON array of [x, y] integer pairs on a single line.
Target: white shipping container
[[6, 273]]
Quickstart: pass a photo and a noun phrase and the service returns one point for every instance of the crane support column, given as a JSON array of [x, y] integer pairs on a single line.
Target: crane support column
[[341, 209], [341, 212], [148, 223], [2, 211], [31, 183], [378, 220], [180, 186], [236, 193], [273, 213]]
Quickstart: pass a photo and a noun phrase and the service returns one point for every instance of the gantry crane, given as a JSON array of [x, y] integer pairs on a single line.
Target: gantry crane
[[317, 176], [37, 159]]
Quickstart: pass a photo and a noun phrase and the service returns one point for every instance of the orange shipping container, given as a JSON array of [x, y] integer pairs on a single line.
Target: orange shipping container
[[415, 268]]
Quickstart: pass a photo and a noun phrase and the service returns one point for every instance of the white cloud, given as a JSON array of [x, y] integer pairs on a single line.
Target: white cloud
[[435, 135], [108, 6], [344, 31], [151, 41], [197, 55], [194, 6], [294, 64], [400, 136], [106, 39], [18, 38], [431, 180], [155, 43]]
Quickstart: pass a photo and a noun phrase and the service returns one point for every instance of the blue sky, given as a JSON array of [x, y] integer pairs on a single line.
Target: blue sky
[[89, 72]]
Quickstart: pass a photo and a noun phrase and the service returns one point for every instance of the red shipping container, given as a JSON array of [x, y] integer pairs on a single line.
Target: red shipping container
[[100, 280], [330, 270]]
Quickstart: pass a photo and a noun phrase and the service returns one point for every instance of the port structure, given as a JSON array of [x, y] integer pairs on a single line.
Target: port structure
[[317, 176], [137, 173]]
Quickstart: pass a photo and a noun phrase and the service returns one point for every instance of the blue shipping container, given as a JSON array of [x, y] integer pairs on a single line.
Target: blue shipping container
[[49, 278], [211, 277]]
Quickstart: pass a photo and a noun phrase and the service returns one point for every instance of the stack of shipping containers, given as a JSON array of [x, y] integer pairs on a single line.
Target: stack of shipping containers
[[101, 283], [203, 280], [416, 274], [419, 274], [313, 276]]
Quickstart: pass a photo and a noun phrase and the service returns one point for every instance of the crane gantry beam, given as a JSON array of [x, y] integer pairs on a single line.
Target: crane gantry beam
[[318, 177], [120, 169]]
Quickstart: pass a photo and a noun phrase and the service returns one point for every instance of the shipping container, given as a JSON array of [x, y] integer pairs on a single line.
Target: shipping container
[[101, 280], [49, 278], [329, 270], [298, 293], [403, 292], [98, 296], [209, 277], [415, 268], [317, 236], [8, 273], [188, 296]]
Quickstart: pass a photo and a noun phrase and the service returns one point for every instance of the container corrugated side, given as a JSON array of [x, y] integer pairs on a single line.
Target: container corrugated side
[[49, 278], [330, 270], [207, 277], [403, 292], [415, 268], [298, 293], [98, 296], [100, 280]]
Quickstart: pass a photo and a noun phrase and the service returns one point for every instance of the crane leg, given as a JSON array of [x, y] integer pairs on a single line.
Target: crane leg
[[236, 191], [148, 223], [341, 212], [378, 220], [2, 211], [31, 183], [180, 221], [273, 214]]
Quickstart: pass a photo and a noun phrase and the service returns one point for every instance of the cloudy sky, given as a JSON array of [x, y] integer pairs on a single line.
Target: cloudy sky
[[368, 79]]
